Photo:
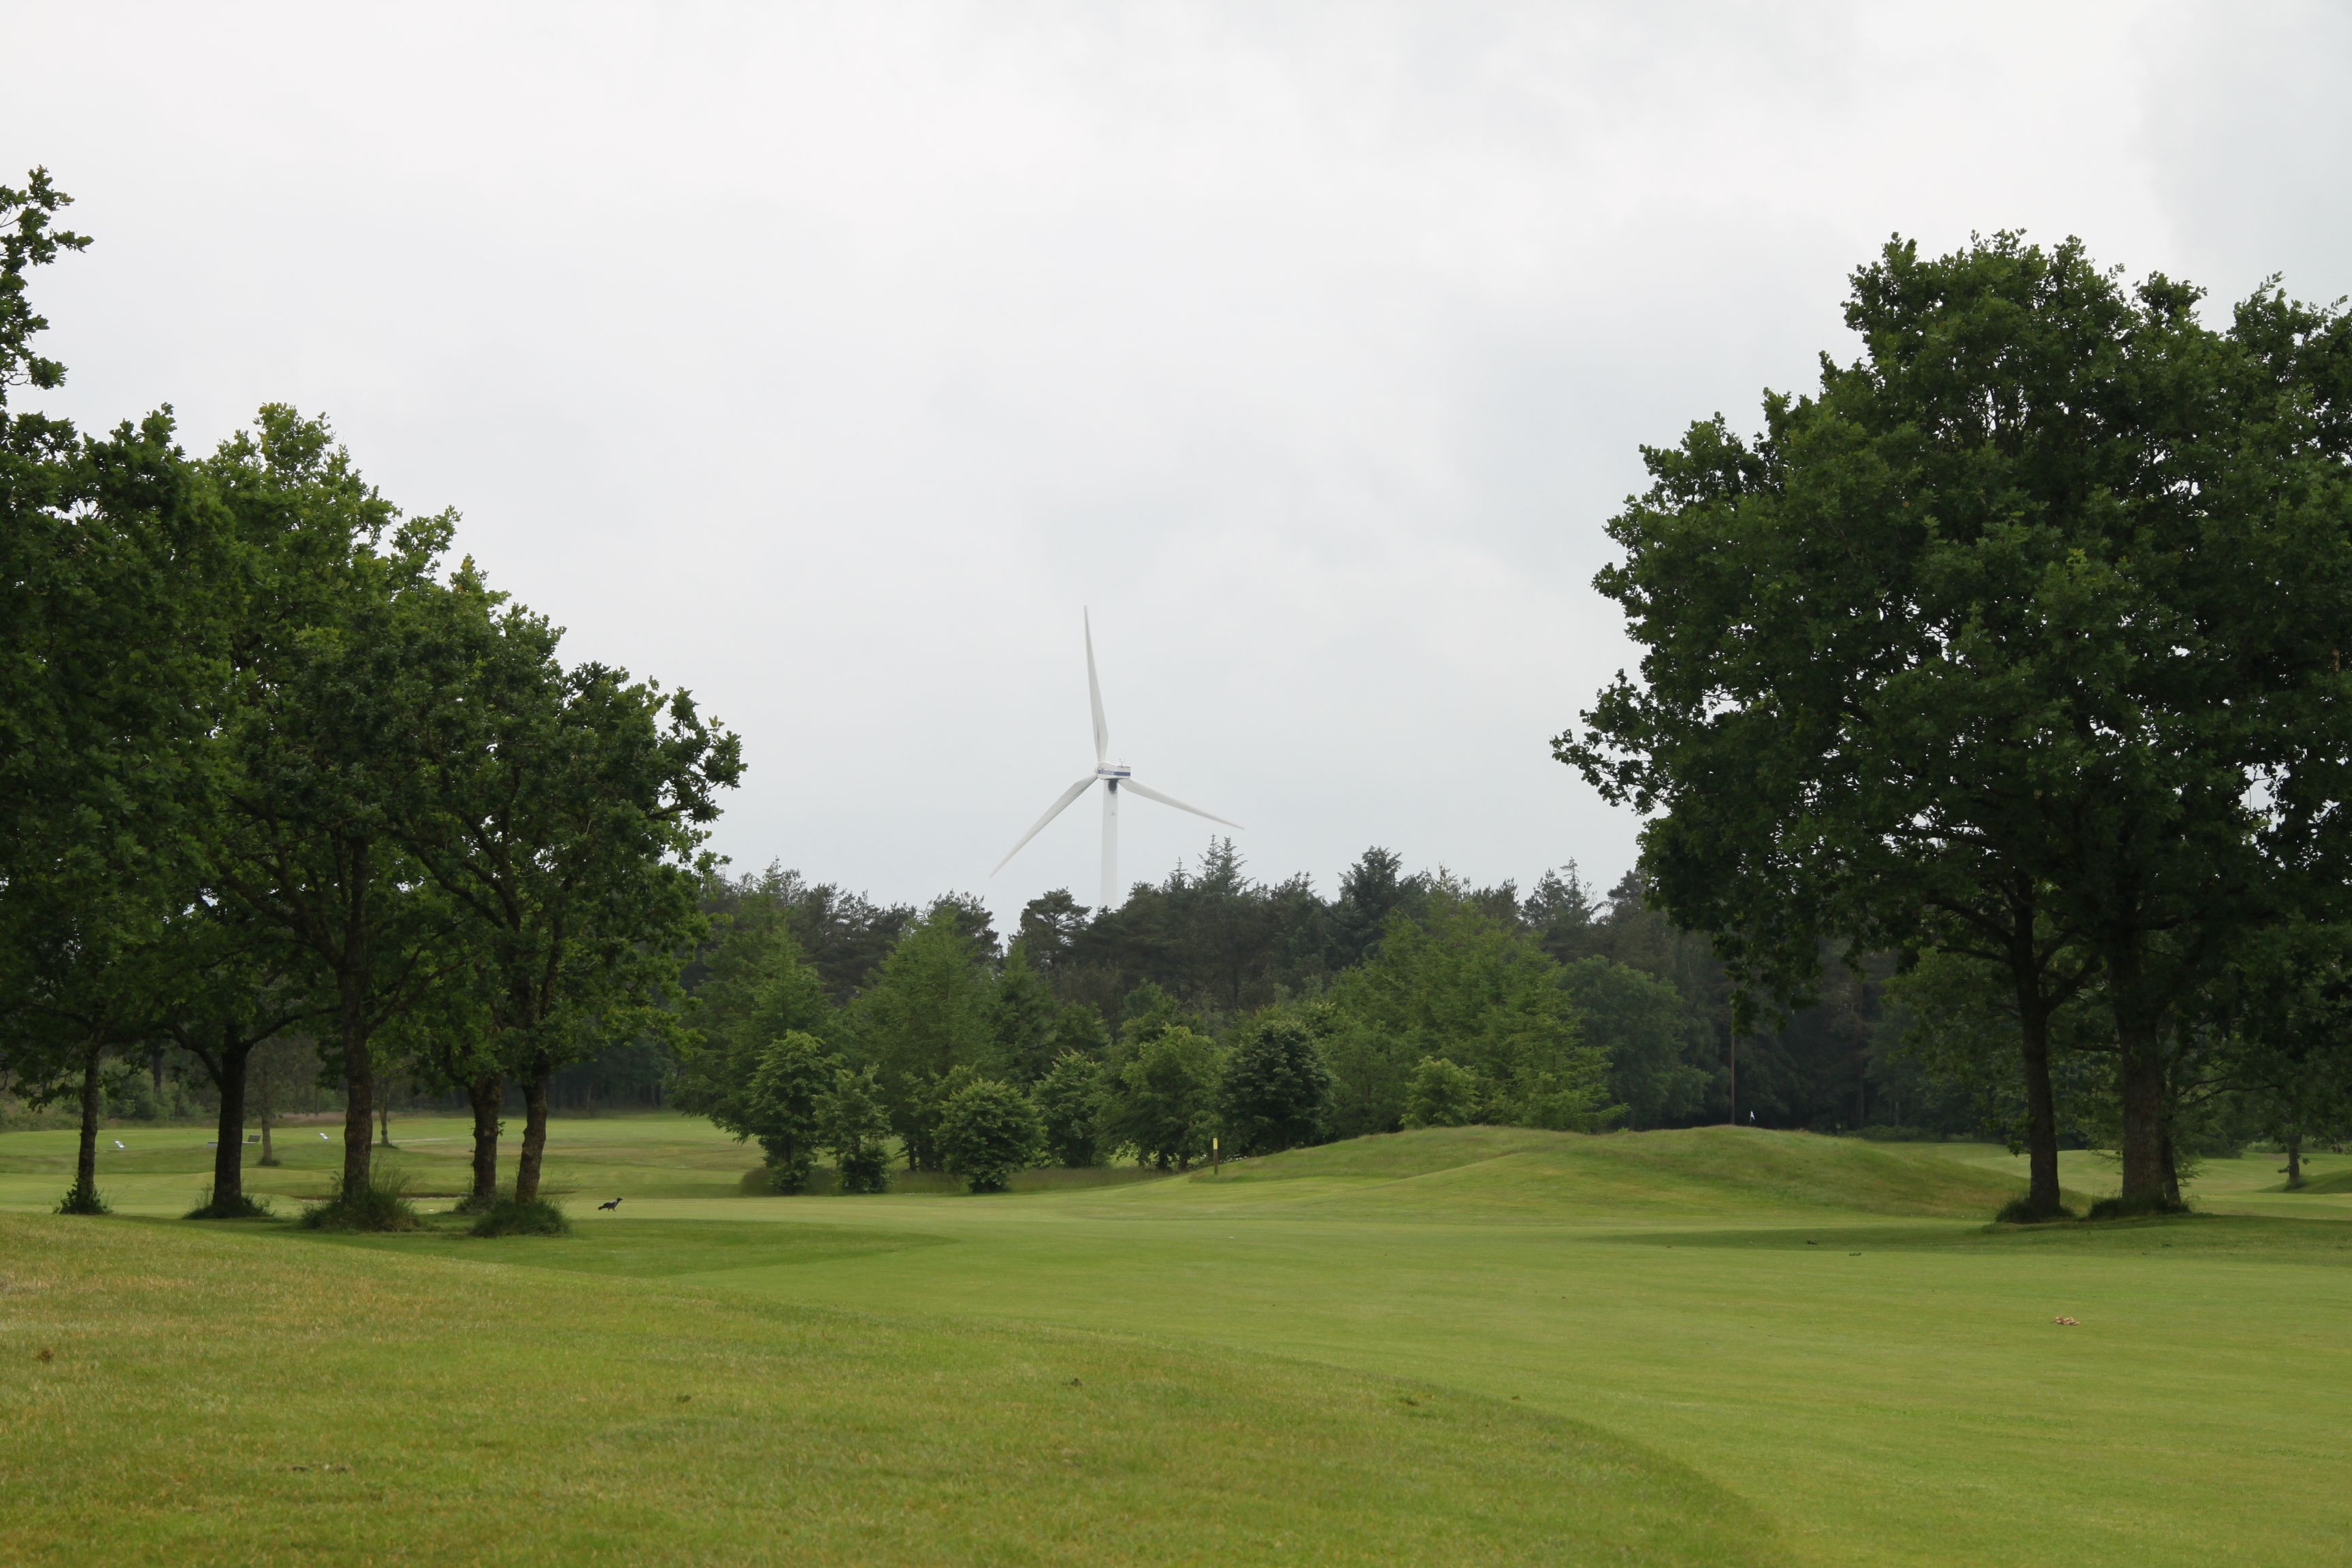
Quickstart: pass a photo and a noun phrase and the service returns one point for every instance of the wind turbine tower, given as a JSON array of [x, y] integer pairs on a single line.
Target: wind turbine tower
[[1113, 777]]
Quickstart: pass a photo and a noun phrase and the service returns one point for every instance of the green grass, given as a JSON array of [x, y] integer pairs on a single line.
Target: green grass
[[1472, 1346], [210, 1397], [1496, 1172]]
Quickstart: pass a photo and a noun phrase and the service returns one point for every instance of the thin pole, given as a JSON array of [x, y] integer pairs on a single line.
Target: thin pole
[[1110, 845]]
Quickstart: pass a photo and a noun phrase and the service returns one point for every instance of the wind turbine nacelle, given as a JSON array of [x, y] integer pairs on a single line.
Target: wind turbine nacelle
[[1113, 770]]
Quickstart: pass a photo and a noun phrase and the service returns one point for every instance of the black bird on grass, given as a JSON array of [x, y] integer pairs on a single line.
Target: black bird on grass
[[613, 1205]]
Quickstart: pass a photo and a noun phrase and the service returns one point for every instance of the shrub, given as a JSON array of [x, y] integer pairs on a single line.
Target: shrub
[[789, 1169], [2020, 1210], [83, 1200], [505, 1216], [988, 1131], [381, 1206], [1441, 1094], [866, 1169]]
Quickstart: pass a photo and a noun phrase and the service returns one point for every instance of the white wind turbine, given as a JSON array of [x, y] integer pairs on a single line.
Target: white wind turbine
[[1112, 777]]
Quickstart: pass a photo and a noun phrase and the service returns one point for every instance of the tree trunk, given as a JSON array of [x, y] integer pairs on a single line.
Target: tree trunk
[[488, 1094], [358, 1090], [228, 1156], [2294, 1160], [2139, 1045], [83, 1199], [384, 1113], [534, 1136], [2147, 1167], [2042, 1199]]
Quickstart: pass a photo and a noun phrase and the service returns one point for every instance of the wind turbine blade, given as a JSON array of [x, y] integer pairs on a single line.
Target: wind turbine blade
[[1094, 693], [1051, 811], [1149, 794]]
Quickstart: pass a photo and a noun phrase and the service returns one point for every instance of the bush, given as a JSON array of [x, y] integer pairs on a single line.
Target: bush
[[83, 1200], [245, 1207], [2020, 1210], [1441, 1094], [507, 1218], [864, 1169], [789, 1169], [988, 1131], [381, 1206]]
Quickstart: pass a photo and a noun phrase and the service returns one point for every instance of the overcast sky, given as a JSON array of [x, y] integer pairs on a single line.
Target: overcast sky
[[827, 360]]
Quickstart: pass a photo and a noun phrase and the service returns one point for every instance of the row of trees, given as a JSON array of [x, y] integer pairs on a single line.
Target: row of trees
[[1992, 720], [2011, 659], [272, 768], [1455, 1013], [1653, 997]]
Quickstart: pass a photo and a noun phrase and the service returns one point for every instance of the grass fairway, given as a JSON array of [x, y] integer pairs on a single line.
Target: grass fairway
[[1477, 1345]]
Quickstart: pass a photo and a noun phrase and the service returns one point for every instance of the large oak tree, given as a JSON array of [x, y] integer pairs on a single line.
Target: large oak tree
[[2019, 637]]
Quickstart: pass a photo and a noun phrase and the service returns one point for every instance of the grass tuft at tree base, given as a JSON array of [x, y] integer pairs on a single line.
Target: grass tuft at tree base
[[82, 1200], [381, 1206], [244, 1207], [2023, 1211], [505, 1216], [2121, 1207]]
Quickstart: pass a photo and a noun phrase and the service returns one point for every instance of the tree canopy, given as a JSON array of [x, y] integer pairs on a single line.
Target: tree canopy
[[2018, 639]]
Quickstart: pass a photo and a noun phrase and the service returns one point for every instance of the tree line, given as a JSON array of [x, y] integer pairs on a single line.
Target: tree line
[[275, 766], [1213, 1006], [1991, 724], [957, 1053]]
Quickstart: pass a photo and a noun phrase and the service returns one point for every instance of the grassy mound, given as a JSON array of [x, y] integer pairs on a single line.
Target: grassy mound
[[1695, 1172], [198, 1408], [2334, 1182]]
